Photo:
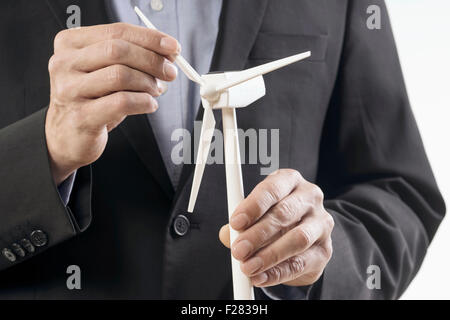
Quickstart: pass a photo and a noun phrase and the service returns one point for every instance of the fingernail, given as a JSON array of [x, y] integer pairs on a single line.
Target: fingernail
[[260, 279], [155, 105], [169, 44], [170, 71], [162, 86], [242, 249], [253, 265], [239, 222]]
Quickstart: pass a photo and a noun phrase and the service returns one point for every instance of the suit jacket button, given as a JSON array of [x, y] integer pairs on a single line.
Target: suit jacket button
[[11, 257], [27, 245], [181, 225], [38, 238], [18, 250]]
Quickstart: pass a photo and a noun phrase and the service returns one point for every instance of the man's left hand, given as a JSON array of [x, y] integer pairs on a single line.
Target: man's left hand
[[285, 231]]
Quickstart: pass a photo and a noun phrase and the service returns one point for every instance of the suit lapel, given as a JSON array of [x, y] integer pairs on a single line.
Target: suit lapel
[[240, 22], [138, 131]]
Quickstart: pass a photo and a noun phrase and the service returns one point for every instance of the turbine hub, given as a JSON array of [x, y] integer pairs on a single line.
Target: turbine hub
[[209, 92]]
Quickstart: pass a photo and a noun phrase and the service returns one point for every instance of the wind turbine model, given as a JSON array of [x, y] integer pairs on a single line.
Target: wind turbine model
[[227, 91]]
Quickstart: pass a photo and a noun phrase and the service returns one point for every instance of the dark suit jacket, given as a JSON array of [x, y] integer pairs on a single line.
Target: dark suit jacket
[[345, 123]]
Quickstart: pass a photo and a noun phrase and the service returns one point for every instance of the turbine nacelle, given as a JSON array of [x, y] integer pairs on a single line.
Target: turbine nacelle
[[238, 96]]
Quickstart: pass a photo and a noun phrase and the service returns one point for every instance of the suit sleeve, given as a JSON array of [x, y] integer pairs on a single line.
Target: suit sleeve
[[378, 183], [33, 216]]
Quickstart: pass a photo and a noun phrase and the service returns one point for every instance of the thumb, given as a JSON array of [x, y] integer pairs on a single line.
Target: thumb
[[224, 235]]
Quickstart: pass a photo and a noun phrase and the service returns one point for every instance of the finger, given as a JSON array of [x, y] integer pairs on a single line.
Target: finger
[[114, 107], [117, 78], [111, 52], [280, 218], [163, 87], [266, 194], [224, 235], [294, 242], [153, 40], [301, 270]]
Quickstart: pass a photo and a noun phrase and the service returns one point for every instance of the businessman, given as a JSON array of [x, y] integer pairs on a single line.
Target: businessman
[[87, 178]]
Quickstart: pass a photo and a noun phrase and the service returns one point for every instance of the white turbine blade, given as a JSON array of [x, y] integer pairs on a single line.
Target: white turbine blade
[[188, 70], [207, 132], [249, 74], [144, 19]]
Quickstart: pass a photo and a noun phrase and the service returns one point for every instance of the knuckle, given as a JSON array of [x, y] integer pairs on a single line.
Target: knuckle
[[152, 59], [71, 90], [267, 194], [54, 63], [295, 174], [284, 213], [60, 89], [329, 223], [273, 256], [148, 100], [272, 192], [263, 202], [118, 75], [317, 192], [152, 87], [146, 37], [157, 64], [115, 30], [115, 49], [122, 101], [276, 172], [263, 235], [60, 39], [275, 225], [57, 91], [327, 250], [275, 274], [302, 236], [296, 265]]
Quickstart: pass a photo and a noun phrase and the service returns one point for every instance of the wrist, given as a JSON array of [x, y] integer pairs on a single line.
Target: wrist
[[60, 172], [61, 167]]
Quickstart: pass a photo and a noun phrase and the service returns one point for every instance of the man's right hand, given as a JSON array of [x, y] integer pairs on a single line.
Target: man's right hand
[[100, 75]]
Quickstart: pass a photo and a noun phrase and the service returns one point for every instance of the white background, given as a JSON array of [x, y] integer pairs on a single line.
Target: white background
[[422, 32]]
